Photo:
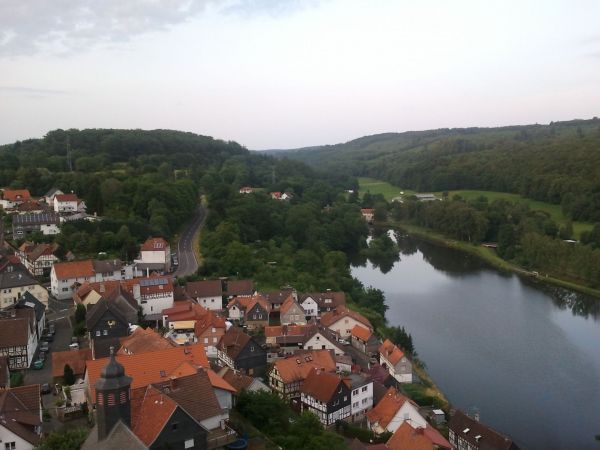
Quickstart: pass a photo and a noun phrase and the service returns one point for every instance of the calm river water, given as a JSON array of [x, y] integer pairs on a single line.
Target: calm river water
[[526, 356]]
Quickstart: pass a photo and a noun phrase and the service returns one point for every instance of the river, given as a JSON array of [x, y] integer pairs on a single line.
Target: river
[[524, 355]]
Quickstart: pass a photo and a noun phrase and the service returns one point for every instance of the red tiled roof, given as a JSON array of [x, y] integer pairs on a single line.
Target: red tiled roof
[[150, 367], [150, 411], [387, 407], [287, 330], [75, 269], [190, 310], [362, 333], [297, 367], [407, 437], [66, 198], [247, 302], [331, 317], [154, 244], [236, 379], [16, 194], [20, 411], [76, 359], [143, 341], [391, 352], [321, 385], [219, 382]]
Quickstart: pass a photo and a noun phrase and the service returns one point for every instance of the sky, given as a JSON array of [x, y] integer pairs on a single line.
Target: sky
[[291, 73]]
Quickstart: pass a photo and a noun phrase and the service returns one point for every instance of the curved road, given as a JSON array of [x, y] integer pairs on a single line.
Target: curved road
[[185, 251]]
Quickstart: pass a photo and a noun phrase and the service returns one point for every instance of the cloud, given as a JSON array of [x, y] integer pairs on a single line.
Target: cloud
[[66, 26], [63, 26]]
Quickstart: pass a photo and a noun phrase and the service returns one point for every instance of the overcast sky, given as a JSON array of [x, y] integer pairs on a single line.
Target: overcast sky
[[291, 73]]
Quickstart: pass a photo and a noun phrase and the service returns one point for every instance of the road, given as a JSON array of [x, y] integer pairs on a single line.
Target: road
[[185, 247]]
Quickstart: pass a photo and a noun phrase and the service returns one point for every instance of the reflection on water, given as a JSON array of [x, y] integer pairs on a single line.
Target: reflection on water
[[525, 354]]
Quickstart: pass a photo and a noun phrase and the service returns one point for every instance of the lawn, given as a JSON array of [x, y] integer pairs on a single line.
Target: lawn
[[373, 186], [554, 210]]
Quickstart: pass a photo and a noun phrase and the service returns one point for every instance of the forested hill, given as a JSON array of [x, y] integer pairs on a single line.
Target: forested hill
[[557, 163]]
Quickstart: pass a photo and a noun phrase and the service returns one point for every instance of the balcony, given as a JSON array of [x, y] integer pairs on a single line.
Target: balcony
[[220, 437]]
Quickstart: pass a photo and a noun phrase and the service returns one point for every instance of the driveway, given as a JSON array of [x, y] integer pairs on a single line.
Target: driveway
[[185, 248]]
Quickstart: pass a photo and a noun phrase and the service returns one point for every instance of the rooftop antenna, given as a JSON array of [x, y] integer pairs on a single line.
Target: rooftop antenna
[[69, 161]]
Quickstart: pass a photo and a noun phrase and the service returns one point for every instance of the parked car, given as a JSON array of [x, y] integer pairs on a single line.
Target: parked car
[[44, 347], [47, 338], [42, 356], [74, 346], [45, 389], [38, 364]]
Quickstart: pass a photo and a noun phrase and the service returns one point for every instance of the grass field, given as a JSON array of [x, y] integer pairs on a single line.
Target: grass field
[[374, 187], [553, 210]]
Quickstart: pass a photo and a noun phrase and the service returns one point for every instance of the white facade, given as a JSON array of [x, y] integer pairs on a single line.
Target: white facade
[[361, 400], [10, 296], [49, 229], [65, 206], [10, 441], [214, 303], [236, 313], [37, 267], [62, 288], [155, 303], [320, 342], [344, 326], [402, 372], [224, 397], [310, 307], [407, 412]]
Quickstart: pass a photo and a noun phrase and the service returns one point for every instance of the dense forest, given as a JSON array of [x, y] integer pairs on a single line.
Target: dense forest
[[557, 163]]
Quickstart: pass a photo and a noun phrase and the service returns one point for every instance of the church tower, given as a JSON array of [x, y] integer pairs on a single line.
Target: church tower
[[112, 397]]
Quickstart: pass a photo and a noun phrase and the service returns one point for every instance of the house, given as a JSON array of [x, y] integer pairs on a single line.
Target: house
[[75, 359], [246, 190], [21, 413], [109, 320], [363, 339], [393, 409], [13, 285], [327, 395], [208, 293], [38, 258], [9, 198], [252, 310], [31, 206], [176, 411], [407, 436], [49, 196], [66, 203], [342, 320], [242, 382], [291, 313], [395, 361], [155, 256], [11, 263], [321, 338], [317, 303], [189, 322], [286, 339], [29, 301], [143, 340], [18, 337], [287, 375], [368, 214], [150, 367], [242, 352], [276, 195], [426, 197], [343, 363], [66, 277], [361, 399], [47, 223], [234, 288], [275, 299], [468, 433], [153, 294]]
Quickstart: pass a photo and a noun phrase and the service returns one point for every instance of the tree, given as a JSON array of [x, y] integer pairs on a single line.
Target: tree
[[68, 375], [80, 313], [66, 439]]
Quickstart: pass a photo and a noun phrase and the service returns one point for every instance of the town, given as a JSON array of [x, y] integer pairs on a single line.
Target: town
[[153, 360]]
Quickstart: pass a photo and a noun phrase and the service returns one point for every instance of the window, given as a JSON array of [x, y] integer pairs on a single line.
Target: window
[[98, 333], [215, 340], [206, 340], [345, 398], [174, 426], [213, 330], [65, 289], [189, 443], [212, 300], [355, 392], [252, 348], [364, 401], [364, 389], [105, 332], [10, 445]]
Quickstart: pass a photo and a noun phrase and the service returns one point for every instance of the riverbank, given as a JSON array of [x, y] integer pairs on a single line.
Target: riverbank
[[489, 256]]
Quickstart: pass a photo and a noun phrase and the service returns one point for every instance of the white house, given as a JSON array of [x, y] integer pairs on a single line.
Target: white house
[[208, 293], [38, 258], [154, 294], [14, 284], [21, 427], [393, 410], [361, 396], [66, 276], [49, 196], [310, 306], [48, 223], [342, 320], [66, 203], [395, 361], [155, 256], [9, 198], [320, 338]]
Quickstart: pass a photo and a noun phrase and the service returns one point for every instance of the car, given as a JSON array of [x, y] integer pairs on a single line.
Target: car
[[51, 329], [45, 389], [74, 346], [37, 365], [47, 338], [42, 356], [44, 347]]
